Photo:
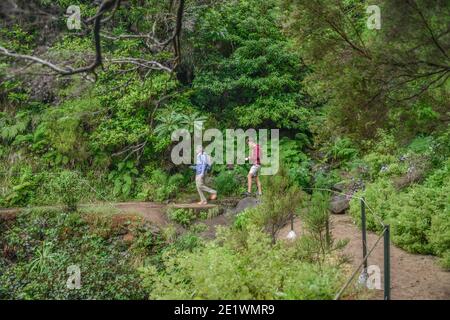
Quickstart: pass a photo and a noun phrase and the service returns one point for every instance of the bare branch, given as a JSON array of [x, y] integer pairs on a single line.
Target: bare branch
[[105, 5], [97, 20]]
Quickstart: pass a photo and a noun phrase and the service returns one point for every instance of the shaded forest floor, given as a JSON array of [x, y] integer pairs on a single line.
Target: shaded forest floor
[[413, 276]]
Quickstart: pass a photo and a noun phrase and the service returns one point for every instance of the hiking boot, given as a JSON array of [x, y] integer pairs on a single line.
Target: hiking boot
[[247, 194]]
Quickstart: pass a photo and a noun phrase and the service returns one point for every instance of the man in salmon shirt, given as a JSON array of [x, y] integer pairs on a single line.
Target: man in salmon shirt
[[255, 160]]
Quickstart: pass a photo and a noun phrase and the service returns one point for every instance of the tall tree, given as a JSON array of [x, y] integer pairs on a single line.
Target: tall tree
[[370, 76]]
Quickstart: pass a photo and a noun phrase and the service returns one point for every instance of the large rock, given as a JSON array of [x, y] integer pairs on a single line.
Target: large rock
[[246, 203], [339, 204], [414, 175]]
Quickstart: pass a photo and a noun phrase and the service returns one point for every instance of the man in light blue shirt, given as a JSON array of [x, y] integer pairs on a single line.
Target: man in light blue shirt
[[201, 169]]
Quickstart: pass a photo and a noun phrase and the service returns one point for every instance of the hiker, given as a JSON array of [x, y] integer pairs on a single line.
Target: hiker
[[202, 166], [255, 160]]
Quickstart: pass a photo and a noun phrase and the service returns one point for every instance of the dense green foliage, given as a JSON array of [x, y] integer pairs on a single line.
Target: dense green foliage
[[41, 245], [362, 108], [410, 191], [250, 269]]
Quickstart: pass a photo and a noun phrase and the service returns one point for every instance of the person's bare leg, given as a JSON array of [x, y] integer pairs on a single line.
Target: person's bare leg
[[249, 183], [258, 183]]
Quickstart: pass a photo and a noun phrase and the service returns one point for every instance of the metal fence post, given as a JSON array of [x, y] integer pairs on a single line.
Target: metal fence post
[[364, 232], [292, 221], [387, 263], [327, 233]]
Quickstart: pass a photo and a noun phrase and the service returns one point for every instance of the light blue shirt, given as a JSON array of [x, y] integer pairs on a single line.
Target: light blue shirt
[[202, 164]]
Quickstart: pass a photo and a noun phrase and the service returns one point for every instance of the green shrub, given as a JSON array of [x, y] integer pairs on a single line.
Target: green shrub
[[256, 269], [198, 228], [378, 196], [439, 177], [243, 219], [281, 199], [445, 260], [439, 236], [226, 183], [419, 216], [317, 218], [325, 180], [161, 187], [342, 149], [69, 187], [42, 244], [421, 144], [296, 162], [377, 162], [123, 178], [182, 216], [210, 213], [188, 241], [23, 189]]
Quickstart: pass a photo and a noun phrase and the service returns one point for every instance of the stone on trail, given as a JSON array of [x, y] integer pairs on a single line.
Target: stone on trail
[[197, 208], [339, 204]]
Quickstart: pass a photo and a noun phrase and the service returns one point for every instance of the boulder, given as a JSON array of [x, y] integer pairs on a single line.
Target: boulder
[[339, 204], [248, 202]]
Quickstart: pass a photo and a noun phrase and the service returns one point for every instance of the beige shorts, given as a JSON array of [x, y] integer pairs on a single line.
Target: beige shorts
[[254, 170]]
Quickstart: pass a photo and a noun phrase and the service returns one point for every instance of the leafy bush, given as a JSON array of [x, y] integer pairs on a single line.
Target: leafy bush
[[210, 213], [419, 216], [342, 149], [445, 260], [181, 216], [378, 196], [161, 187], [69, 187], [439, 177], [295, 160], [325, 180], [254, 270], [281, 199], [317, 219], [226, 183], [439, 236], [123, 178], [243, 219], [23, 189], [42, 244]]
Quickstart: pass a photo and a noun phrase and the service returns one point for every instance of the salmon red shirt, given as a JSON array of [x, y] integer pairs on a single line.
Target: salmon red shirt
[[255, 158]]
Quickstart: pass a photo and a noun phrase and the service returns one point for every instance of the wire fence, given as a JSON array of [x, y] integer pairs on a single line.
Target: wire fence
[[385, 235]]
